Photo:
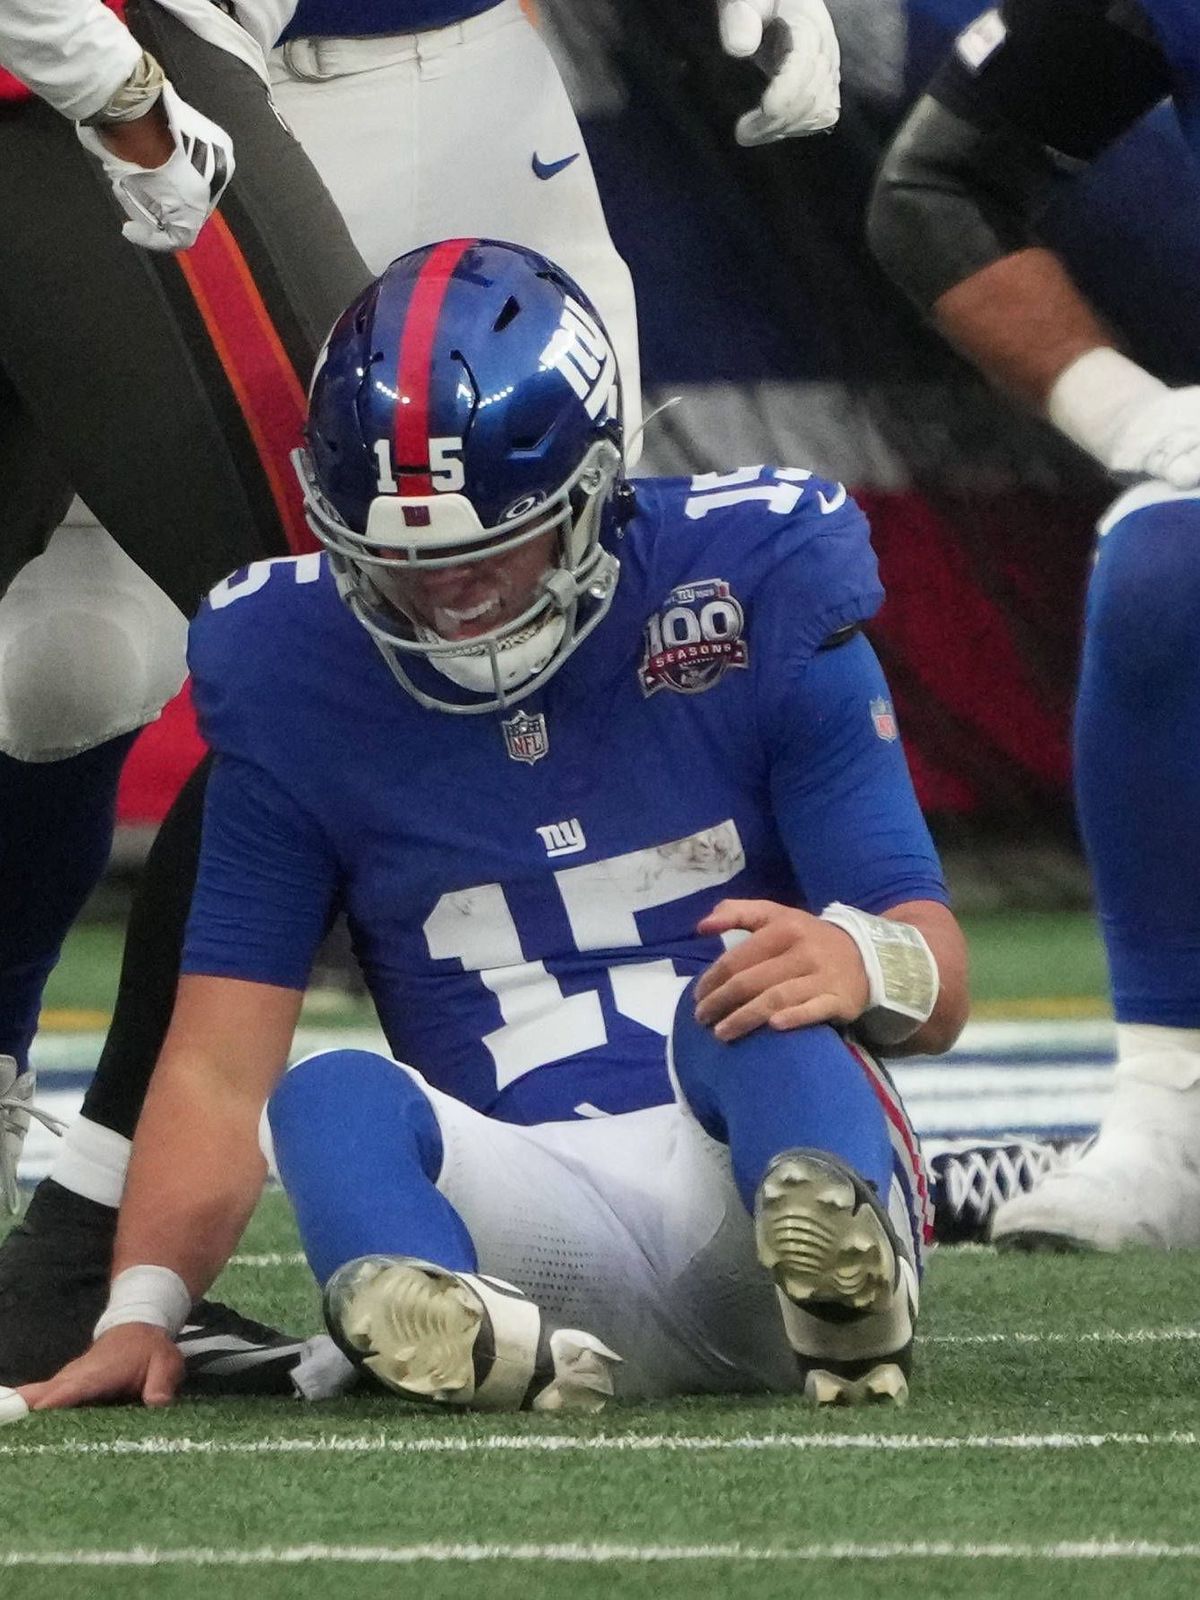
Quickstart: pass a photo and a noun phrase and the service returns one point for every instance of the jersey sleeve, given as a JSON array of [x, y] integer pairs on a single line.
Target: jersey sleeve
[[75, 54], [1071, 74], [841, 792], [266, 886]]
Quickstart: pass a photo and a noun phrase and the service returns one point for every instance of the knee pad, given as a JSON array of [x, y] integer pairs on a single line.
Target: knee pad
[[89, 648]]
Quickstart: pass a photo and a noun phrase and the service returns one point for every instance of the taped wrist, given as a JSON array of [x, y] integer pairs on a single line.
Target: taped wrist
[[134, 98], [1093, 399], [146, 1294], [901, 973]]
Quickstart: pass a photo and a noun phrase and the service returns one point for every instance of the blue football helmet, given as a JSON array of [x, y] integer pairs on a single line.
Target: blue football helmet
[[465, 407]]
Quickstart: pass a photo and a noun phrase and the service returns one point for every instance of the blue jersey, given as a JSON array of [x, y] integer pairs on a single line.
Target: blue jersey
[[354, 19], [523, 888]]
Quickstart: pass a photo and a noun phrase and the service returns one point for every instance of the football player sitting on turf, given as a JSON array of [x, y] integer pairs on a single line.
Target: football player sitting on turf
[[607, 780]]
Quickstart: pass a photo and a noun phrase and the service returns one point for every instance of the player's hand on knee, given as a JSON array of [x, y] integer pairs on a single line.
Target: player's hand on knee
[[795, 43], [167, 169], [135, 1361], [1162, 440], [794, 970]]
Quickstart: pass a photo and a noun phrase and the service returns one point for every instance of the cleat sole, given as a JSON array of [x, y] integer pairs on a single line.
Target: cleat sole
[[819, 1241], [882, 1385], [414, 1327]]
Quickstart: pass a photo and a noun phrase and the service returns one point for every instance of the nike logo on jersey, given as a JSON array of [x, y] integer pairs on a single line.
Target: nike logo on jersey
[[547, 169]]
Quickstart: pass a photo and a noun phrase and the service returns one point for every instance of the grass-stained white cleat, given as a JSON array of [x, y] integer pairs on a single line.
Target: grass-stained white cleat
[[462, 1339], [846, 1286], [1137, 1184]]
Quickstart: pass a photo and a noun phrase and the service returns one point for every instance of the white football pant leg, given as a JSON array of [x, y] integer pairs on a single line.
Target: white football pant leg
[[435, 136], [89, 647], [630, 1227]]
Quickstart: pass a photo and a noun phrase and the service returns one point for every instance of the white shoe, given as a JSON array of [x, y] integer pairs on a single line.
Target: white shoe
[[16, 1108], [461, 1339], [846, 1287], [1139, 1183]]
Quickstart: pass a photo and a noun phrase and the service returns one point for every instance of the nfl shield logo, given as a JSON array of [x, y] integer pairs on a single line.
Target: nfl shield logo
[[884, 719], [526, 737]]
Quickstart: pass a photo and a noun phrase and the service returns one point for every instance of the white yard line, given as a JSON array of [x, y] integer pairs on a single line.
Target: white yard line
[[1091, 1336], [602, 1554], [629, 1443]]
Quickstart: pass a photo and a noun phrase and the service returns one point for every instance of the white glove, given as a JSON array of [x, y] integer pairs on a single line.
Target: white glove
[[1162, 440], [1129, 420], [803, 94], [168, 205]]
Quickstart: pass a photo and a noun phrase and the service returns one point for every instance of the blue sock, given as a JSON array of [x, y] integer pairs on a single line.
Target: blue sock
[[1137, 760], [54, 844], [359, 1150], [771, 1091]]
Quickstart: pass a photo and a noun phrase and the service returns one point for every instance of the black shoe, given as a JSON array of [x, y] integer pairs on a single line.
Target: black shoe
[[226, 1353], [54, 1275], [54, 1272], [972, 1177]]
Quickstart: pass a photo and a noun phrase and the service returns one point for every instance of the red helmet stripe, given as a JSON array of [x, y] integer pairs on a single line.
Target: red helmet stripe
[[411, 442]]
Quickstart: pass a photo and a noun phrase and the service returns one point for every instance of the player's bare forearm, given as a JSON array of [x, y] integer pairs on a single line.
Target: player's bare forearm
[[1022, 321], [949, 948], [196, 1169]]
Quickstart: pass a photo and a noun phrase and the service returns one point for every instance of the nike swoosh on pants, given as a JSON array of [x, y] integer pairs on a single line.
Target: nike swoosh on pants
[[547, 169]]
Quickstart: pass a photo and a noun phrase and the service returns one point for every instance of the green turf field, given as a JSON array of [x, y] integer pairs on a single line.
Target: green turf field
[[1052, 1446]]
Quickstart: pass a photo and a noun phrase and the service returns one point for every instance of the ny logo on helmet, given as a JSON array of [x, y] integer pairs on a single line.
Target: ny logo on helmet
[[580, 351]]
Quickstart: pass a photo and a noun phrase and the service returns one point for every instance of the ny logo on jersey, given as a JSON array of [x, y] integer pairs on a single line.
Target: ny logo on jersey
[[582, 354], [563, 838], [525, 737]]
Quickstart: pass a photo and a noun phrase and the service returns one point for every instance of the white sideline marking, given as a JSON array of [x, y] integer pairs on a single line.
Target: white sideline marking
[[272, 1259], [552, 1443], [599, 1554]]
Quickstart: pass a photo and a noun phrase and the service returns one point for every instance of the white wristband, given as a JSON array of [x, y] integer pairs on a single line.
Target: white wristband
[[146, 1294], [1092, 399], [902, 974]]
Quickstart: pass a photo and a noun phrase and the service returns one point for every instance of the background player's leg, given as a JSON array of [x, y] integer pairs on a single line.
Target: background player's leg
[[172, 414], [1137, 776], [474, 104]]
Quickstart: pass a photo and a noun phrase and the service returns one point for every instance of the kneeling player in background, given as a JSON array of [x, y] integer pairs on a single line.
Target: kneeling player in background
[[953, 220], [606, 778]]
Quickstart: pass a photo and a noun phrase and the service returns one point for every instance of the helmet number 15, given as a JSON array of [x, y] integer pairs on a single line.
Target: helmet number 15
[[445, 465]]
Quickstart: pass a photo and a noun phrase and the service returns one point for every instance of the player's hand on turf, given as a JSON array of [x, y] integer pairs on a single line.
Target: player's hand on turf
[[188, 163], [135, 1361], [793, 971], [1162, 440], [795, 44]]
